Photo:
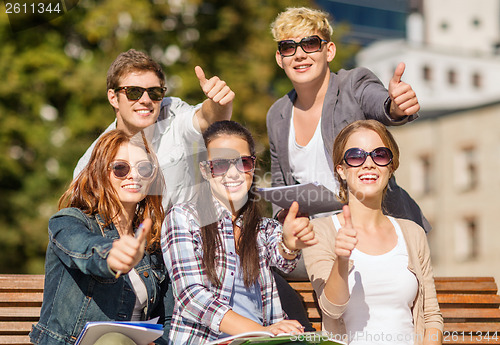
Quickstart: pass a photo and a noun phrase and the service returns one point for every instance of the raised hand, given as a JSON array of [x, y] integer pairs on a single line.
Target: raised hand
[[128, 250], [346, 238], [404, 101], [297, 231], [214, 88]]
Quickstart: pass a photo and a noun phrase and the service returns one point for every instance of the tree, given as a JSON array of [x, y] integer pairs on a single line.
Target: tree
[[53, 93]]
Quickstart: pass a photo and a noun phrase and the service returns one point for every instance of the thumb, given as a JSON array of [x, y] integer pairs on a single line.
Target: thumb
[[347, 216], [200, 75], [144, 230], [292, 212], [398, 72]]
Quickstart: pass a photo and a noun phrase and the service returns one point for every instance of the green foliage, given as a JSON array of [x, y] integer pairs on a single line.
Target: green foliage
[[53, 93]]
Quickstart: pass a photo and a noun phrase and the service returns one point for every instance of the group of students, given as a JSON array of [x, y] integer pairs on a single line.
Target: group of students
[[162, 220]]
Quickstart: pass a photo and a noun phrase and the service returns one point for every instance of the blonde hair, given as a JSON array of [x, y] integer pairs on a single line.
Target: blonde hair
[[301, 21]]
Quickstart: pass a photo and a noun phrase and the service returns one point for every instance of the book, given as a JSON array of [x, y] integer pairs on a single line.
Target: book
[[141, 332], [312, 197], [268, 338]]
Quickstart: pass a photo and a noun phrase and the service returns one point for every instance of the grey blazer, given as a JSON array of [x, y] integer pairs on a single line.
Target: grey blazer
[[352, 95]]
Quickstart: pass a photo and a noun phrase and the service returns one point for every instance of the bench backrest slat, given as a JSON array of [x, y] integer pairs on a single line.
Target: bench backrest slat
[[468, 300], [21, 282], [471, 287], [15, 340]]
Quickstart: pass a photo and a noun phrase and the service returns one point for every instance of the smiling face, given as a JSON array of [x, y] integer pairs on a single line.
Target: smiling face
[[132, 116], [231, 188], [368, 181], [304, 68], [132, 188]]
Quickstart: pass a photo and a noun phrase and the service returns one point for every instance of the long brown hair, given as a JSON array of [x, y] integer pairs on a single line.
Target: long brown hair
[[91, 191], [250, 212], [341, 141]]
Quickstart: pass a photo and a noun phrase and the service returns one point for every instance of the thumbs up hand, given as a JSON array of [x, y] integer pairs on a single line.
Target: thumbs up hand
[[128, 250], [404, 101], [219, 104], [297, 231], [346, 238], [214, 88]]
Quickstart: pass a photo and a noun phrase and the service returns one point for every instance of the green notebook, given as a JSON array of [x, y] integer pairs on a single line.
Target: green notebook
[[257, 338]]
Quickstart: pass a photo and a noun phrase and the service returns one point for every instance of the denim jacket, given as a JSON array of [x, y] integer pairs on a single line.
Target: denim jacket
[[80, 287]]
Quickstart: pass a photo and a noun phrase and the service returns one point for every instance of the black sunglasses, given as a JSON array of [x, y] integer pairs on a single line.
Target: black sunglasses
[[219, 167], [134, 93], [308, 44], [355, 157], [121, 169]]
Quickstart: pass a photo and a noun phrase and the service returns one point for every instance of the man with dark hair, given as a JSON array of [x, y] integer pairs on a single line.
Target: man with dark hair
[[136, 89]]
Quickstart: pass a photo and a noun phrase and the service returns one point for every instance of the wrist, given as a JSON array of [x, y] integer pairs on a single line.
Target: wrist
[[286, 249]]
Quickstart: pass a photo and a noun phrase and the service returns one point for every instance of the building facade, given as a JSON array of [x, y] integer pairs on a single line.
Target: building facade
[[449, 165], [449, 157]]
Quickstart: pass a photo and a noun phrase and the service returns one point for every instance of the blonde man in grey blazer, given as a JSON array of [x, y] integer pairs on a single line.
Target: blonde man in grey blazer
[[303, 124]]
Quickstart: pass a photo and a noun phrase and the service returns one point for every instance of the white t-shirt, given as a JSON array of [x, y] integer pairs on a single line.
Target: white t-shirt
[[311, 163], [382, 292], [177, 145], [141, 294]]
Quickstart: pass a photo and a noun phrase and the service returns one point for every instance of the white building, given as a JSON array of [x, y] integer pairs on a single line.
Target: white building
[[450, 156]]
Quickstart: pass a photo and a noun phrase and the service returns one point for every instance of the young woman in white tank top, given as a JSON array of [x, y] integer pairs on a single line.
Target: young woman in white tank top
[[368, 287]]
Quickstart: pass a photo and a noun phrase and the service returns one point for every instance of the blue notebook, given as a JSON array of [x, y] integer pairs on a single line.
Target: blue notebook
[[141, 332]]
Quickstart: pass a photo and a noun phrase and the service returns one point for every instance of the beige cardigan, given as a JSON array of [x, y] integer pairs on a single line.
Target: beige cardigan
[[319, 261]]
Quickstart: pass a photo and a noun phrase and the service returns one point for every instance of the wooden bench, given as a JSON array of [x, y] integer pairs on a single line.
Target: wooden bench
[[470, 307], [20, 301]]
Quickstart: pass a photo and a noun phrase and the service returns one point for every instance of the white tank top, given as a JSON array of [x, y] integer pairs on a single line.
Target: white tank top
[[382, 293], [311, 163]]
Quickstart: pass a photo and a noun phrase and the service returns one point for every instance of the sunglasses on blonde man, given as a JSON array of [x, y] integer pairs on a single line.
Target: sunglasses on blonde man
[[308, 44]]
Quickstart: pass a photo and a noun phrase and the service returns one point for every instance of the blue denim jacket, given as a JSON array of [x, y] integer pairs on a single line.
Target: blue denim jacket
[[80, 287]]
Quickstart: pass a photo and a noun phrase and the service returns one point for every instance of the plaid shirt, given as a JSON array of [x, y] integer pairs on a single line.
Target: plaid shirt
[[199, 305]]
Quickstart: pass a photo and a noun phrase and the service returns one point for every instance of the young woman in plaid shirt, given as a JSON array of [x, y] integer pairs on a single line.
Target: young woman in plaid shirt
[[219, 251]]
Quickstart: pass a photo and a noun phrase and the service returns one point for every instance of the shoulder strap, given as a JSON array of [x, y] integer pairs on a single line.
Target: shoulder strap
[[336, 222]]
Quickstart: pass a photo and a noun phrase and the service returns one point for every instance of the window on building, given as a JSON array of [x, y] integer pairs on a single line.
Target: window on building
[[496, 48], [452, 77], [422, 179], [477, 81], [444, 25], [466, 169], [427, 73], [476, 22], [467, 239]]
